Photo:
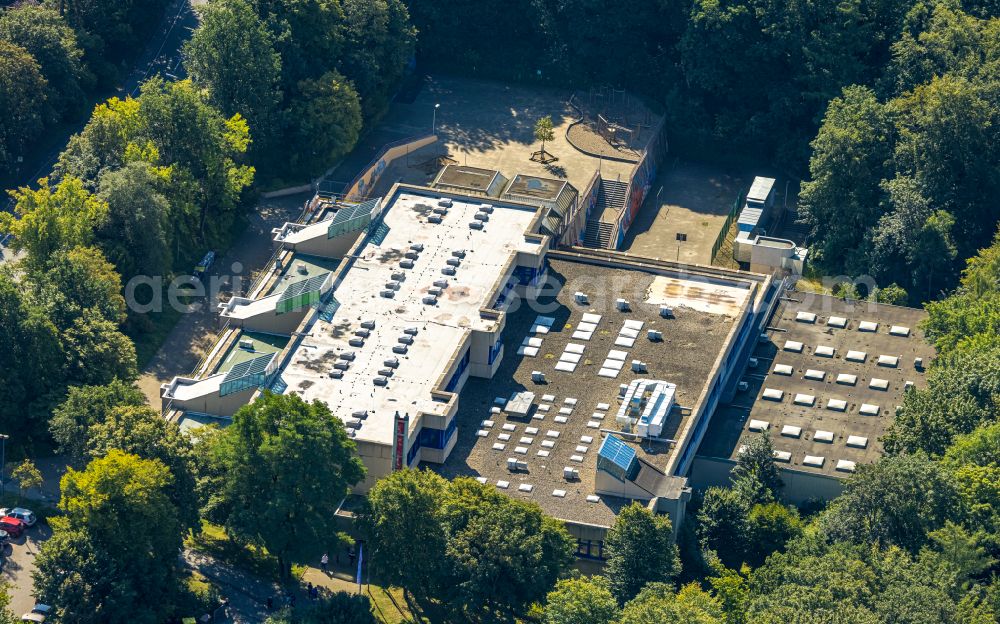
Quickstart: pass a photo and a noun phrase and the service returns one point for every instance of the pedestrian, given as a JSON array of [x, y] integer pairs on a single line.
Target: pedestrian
[[324, 561], [313, 592], [351, 556]]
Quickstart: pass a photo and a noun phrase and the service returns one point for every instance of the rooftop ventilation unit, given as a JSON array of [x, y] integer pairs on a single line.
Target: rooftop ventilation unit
[[362, 333], [622, 389], [448, 270], [347, 355], [622, 305], [654, 335], [440, 210], [387, 294], [430, 300], [385, 372], [454, 262], [393, 285], [302, 268], [392, 362], [356, 342], [666, 311], [638, 367], [441, 283], [570, 473], [246, 344], [581, 298], [458, 253], [476, 225], [434, 219], [434, 292], [445, 202], [359, 414], [481, 216], [487, 208], [405, 339], [753, 362], [918, 363], [411, 255], [538, 376], [353, 423], [411, 331], [400, 349], [368, 324], [743, 386], [406, 264], [398, 276], [417, 247], [342, 365], [381, 381], [336, 374]]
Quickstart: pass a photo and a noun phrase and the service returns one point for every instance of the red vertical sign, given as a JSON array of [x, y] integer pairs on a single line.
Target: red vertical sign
[[399, 448]]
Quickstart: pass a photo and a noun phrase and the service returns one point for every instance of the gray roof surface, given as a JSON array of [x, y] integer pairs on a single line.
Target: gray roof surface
[[729, 428]]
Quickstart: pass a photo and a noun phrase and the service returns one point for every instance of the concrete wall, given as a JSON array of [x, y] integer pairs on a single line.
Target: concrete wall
[[367, 179], [799, 487], [336, 247]]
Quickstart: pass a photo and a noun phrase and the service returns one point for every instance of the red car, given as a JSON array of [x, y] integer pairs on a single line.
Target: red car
[[13, 526]]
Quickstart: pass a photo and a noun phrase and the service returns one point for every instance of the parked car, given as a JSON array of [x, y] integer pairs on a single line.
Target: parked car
[[24, 515], [37, 614], [13, 526]]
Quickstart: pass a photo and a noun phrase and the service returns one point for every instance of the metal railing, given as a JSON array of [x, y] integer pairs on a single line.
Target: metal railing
[[724, 232]]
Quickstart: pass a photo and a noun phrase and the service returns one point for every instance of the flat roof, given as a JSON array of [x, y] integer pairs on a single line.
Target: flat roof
[[814, 372], [463, 176], [440, 328], [263, 344], [533, 186], [692, 341]]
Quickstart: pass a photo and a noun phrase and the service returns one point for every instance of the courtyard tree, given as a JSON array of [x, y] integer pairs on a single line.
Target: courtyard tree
[[112, 557], [581, 601], [283, 463], [23, 94], [544, 132], [640, 550], [326, 121]]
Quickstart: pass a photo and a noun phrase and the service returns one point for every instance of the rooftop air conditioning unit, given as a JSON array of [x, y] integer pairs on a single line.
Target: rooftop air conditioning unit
[[405, 339], [436, 292], [368, 324], [441, 283], [475, 225], [411, 331], [362, 333], [392, 285], [406, 264], [448, 270], [743, 386], [391, 362], [655, 336], [444, 201], [417, 247], [481, 216], [622, 305], [666, 311], [411, 255], [434, 219], [301, 267], [347, 355], [430, 300], [381, 381], [458, 253], [359, 414], [336, 374], [387, 294], [753, 362], [356, 342], [385, 372], [342, 365], [400, 349], [246, 344], [581, 298], [454, 262]]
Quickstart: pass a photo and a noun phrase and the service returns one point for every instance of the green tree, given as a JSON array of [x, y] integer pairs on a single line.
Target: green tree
[[403, 520], [580, 601], [544, 132], [97, 352], [658, 602], [850, 157], [505, 554], [28, 477], [53, 44], [893, 294], [49, 220], [81, 279], [138, 233], [84, 407], [640, 550], [326, 120], [896, 501], [934, 254], [300, 455], [142, 431], [378, 43], [769, 528], [722, 524], [6, 615], [974, 461], [23, 95], [110, 31], [232, 55], [308, 35], [755, 471], [113, 555]]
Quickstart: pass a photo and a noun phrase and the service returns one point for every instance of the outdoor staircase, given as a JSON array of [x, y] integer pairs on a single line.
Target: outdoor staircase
[[598, 234], [795, 229], [611, 195], [610, 201]]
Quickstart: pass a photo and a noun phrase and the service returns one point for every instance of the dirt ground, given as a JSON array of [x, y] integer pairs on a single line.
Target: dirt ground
[[687, 198], [196, 332]]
